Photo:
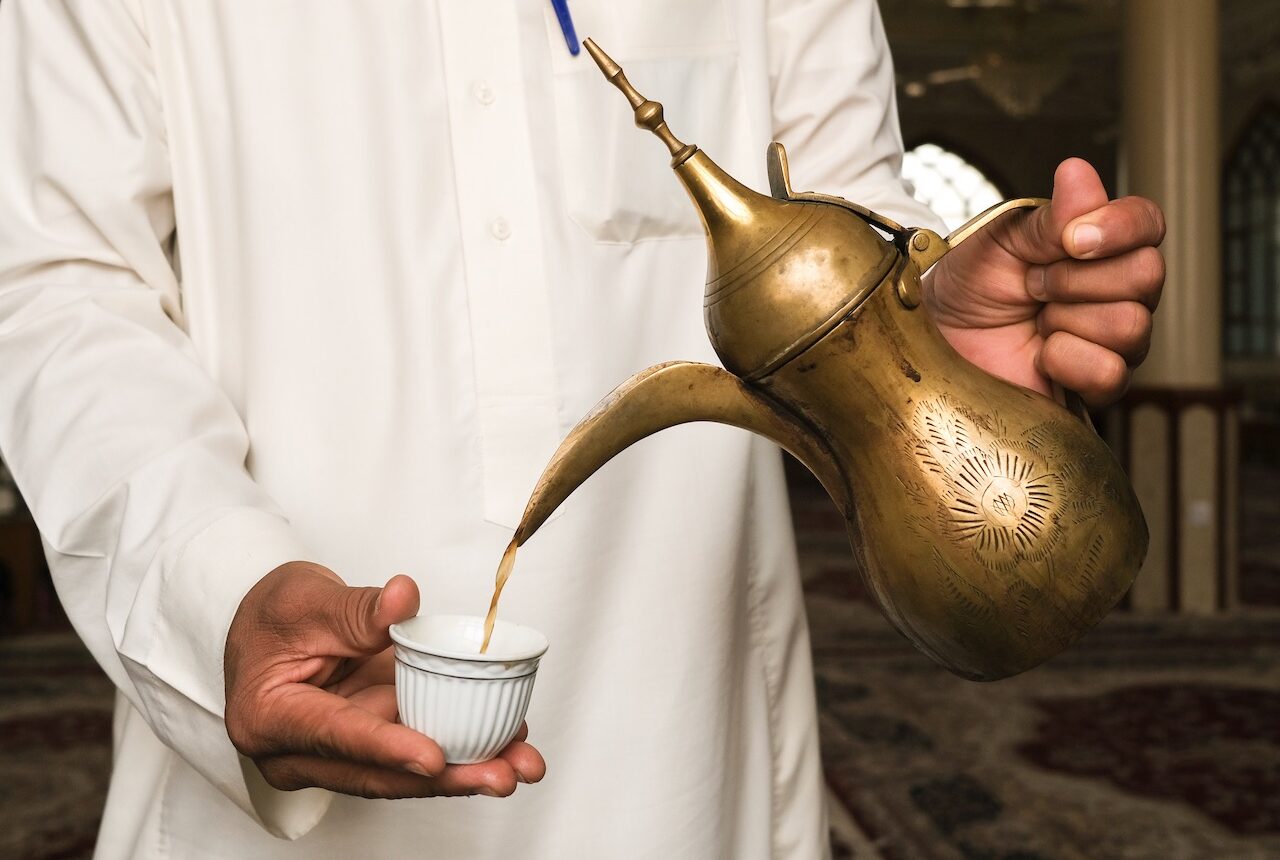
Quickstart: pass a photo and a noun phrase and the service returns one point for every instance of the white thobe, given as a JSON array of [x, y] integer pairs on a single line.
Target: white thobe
[[328, 281]]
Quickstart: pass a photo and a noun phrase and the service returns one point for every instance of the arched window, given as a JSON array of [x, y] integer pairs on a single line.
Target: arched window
[[1251, 246], [947, 184]]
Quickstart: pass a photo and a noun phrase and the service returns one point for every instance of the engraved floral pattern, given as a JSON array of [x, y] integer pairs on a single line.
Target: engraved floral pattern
[[1000, 498]]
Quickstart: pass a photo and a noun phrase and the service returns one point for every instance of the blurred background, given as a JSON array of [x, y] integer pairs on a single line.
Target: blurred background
[[1158, 736]]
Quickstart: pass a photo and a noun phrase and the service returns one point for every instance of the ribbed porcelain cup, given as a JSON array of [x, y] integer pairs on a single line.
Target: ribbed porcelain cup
[[469, 703]]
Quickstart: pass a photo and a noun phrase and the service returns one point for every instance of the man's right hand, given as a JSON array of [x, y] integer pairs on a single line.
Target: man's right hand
[[311, 695]]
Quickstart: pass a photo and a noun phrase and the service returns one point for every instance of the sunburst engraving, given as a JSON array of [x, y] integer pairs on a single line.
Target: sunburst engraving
[[999, 495]]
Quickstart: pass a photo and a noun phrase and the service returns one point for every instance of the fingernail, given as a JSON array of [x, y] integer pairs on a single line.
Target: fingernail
[[414, 767], [520, 778], [1035, 282], [1086, 238]]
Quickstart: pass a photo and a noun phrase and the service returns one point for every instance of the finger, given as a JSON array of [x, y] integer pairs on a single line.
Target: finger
[[1037, 236], [353, 622], [293, 772], [493, 778], [308, 720], [1136, 275], [376, 670], [1117, 227], [1122, 327], [379, 700], [525, 760], [1097, 374]]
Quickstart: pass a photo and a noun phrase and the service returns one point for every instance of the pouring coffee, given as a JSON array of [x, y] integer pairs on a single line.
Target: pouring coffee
[[992, 525]]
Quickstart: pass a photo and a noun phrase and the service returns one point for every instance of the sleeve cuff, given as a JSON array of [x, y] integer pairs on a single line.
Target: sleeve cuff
[[200, 585]]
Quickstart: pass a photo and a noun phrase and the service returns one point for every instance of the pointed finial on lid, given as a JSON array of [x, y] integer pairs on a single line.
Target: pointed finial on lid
[[648, 113]]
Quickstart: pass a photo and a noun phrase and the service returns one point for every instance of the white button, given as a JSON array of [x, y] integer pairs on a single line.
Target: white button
[[483, 92], [500, 228]]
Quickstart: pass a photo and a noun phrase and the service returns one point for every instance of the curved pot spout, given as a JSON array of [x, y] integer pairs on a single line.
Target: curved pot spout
[[663, 396]]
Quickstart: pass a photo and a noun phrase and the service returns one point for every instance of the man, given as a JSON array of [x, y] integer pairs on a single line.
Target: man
[[294, 288]]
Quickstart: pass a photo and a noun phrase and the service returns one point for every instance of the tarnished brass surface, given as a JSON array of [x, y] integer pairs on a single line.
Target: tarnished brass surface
[[992, 524]]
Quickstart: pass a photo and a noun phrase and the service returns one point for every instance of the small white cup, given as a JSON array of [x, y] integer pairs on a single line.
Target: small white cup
[[469, 703]]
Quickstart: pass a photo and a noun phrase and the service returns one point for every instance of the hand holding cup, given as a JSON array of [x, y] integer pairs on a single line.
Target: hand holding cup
[[311, 696]]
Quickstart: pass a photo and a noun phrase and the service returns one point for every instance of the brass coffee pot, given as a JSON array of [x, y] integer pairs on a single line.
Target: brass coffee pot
[[992, 525]]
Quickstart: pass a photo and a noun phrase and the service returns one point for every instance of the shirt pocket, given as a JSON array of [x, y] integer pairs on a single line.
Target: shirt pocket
[[615, 179]]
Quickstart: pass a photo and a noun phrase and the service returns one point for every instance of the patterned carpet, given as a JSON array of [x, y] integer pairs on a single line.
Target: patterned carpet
[[1151, 739], [1146, 740], [55, 747]]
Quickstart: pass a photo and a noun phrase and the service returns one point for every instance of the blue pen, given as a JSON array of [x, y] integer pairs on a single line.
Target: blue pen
[[566, 25]]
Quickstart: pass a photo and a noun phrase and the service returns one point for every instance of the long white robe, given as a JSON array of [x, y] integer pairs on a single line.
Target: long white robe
[[328, 279]]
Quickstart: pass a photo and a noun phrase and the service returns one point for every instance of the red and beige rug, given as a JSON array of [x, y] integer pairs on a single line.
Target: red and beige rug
[[1148, 740], [1152, 738]]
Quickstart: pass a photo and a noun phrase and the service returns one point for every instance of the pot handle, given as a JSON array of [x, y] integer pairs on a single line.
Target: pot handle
[[925, 247]]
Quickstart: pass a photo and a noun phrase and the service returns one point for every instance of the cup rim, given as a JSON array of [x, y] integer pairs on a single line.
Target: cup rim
[[400, 637]]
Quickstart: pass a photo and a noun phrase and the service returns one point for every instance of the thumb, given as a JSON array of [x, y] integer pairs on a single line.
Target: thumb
[[1038, 236], [358, 618]]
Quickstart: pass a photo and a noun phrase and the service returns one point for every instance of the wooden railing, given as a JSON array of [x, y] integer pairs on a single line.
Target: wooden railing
[[1173, 404]]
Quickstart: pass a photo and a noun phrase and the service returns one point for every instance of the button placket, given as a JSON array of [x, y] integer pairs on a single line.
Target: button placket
[[516, 393]]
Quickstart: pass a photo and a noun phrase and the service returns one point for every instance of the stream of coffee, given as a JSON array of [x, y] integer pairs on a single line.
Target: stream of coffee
[[504, 572]]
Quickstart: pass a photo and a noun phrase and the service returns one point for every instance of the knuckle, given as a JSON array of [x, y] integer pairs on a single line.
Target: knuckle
[[1059, 280], [371, 785], [1150, 266], [349, 611], [291, 595], [1138, 326], [314, 736], [1156, 214], [1045, 321], [252, 715], [362, 786], [282, 776], [1112, 376], [242, 733], [286, 603], [1051, 351], [1146, 217]]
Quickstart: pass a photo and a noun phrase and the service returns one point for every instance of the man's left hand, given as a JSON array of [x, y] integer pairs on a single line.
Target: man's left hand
[[1063, 293]]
